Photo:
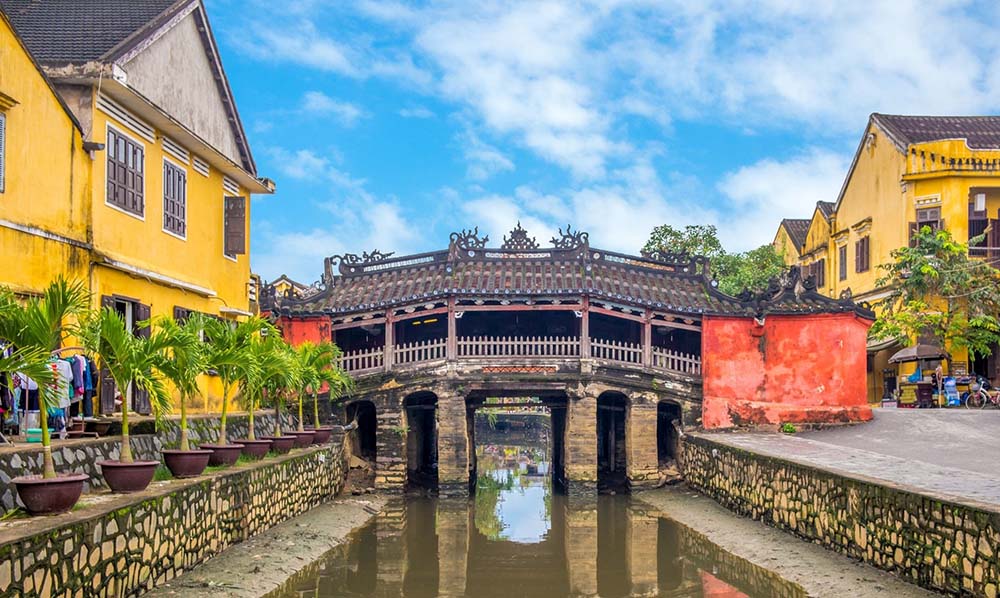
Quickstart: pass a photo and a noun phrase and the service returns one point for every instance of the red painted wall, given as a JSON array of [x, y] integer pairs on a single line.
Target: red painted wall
[[299, 330], [808, 368]]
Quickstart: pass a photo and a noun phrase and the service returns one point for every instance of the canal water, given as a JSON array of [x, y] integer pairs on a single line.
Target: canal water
[[518, 536]]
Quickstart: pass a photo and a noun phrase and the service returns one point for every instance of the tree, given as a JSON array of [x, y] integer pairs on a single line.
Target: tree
[[129, 359], [735, 272], [938, 291], [182, 361], [270, 370], [37, 329], [318, 366]]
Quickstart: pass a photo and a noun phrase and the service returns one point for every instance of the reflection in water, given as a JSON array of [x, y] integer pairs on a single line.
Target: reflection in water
[[519, 538]]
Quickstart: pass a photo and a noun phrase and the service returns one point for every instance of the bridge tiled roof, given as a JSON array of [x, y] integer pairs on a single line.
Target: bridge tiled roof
[[679, 284]]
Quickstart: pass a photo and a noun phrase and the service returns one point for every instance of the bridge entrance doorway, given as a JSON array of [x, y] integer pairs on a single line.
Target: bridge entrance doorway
[[612, 457], [667, 413], [421, 441], [535, 425], [362, 438]]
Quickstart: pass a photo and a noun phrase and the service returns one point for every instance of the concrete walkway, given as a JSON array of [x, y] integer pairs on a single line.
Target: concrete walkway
[[952, 454]]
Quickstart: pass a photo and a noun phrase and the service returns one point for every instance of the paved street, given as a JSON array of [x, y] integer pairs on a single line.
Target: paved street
[[951, 453]]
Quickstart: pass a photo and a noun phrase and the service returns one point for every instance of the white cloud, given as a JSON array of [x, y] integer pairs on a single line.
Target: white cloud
[[758, 196], [317, 102], [484, 159], [416, 112]]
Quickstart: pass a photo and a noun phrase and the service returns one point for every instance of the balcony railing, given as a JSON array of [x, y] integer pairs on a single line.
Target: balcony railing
[[499, 348]]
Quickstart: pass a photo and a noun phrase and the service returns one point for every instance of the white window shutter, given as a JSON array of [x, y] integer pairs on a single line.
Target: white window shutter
[[3, 138]]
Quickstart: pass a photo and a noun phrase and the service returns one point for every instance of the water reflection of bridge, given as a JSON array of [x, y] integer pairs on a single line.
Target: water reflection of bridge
[[608, 546]]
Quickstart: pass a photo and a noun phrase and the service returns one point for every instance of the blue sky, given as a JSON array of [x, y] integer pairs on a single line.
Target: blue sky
[[388, 124]]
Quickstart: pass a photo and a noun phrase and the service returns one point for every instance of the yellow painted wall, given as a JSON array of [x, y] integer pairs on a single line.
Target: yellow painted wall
[[873, 192], [47, 177], [817, 247], [143, 243], [785, 247]]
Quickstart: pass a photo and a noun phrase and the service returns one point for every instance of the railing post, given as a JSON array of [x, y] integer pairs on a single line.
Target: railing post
[[389, 340], [647, 339], [451, 346]]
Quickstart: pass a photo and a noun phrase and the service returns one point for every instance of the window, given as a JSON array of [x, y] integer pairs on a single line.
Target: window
[[862, 257], [3, 137], [234, 241], [818, 271], [842, 262], [125, 173], [174, 199], [977, 226], [929, 217]]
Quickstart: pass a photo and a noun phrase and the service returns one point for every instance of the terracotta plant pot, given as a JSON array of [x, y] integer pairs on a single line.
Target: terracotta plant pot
[[302, 439], [255, 449], [321, 435], [223, 454], [48, 497], [186, 464], [281, 444], [128, 477]]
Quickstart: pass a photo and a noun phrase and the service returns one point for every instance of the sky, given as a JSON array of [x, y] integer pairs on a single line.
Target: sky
[[387, 125]]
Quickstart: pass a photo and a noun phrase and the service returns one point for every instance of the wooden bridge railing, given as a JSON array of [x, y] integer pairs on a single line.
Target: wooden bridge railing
[[619, 351], [506, 347], [518, 346], [419, 351], [675, 361], [363, 361]]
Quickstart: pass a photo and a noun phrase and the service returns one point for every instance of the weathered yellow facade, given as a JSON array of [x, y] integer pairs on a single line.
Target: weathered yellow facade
[[890, 179], [45, 202], [59, 215]]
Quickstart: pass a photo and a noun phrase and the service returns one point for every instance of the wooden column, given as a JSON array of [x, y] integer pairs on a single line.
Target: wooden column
[[585, 330], [647, 339], [390, 341], [451, 348]]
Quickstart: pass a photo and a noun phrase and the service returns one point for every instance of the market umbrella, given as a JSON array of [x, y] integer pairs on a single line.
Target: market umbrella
[[918, 353]]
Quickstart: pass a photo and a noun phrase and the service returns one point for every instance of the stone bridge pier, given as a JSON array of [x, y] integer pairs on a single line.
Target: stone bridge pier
[[605, 435]]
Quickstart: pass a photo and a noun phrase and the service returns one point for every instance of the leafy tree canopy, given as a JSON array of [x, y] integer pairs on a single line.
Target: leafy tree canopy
[[735, 271], [939, 293]]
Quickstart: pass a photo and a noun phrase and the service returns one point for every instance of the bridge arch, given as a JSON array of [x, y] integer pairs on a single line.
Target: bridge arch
[[668, 419], [420, 429], [612, 440], [363, 439]]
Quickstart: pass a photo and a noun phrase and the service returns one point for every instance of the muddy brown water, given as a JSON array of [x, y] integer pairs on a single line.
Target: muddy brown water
[[518, 536]]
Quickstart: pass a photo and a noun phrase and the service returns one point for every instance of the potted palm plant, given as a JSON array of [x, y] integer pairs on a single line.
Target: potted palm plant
[[228, 344], [279, 380], [129, 360], [182, 363], [263, 354], [307, 356], [322, 365], [35, 329]]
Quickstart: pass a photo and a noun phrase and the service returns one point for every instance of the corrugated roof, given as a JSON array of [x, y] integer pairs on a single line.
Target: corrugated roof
[[78, 31], [797, 229], [980, 132]]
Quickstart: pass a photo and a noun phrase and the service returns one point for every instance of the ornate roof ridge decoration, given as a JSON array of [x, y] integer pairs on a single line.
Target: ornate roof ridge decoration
[[352, 263], [466, 242], [791, 288], [519, 239], [570, 240]]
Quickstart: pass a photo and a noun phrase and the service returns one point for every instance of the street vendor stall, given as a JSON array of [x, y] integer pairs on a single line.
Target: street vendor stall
[[920, 389]]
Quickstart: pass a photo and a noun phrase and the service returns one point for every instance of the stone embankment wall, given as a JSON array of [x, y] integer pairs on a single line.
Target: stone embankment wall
[[81, 456], [935, 543], [127, 545]]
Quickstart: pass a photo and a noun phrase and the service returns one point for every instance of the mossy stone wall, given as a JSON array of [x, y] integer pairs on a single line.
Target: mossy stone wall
[[81, 456], [933, 542], [130, 544]]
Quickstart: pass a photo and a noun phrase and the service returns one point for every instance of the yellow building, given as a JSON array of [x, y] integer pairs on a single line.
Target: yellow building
[[159, 171], [790, 238], [908, 171]]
